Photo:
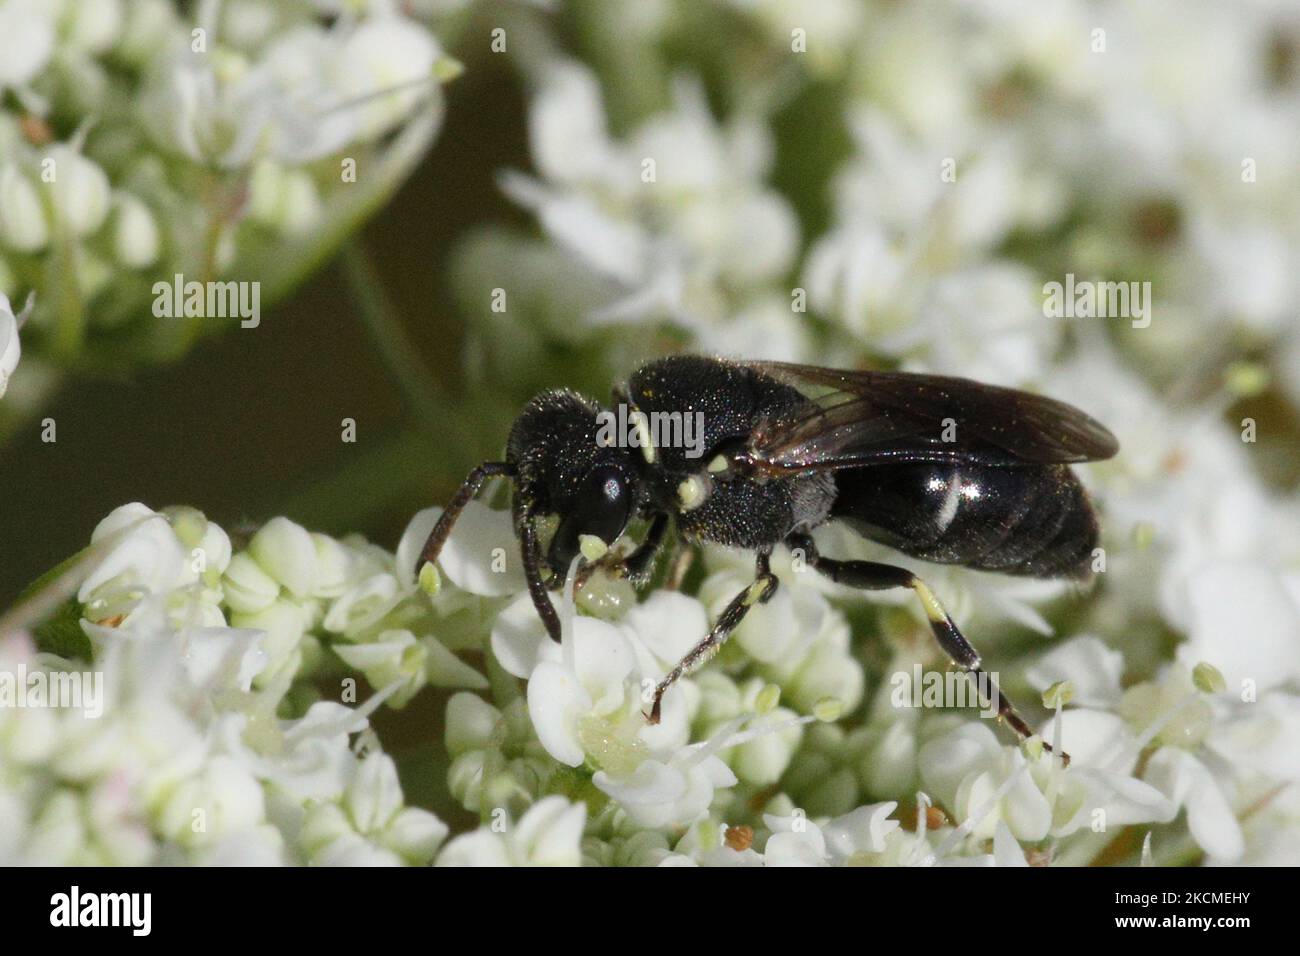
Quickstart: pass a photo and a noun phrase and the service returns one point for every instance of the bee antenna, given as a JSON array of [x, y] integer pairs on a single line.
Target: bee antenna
[[468, 489]]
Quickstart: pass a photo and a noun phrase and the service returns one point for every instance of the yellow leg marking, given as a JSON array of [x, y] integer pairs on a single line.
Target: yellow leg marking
[[933, 609]]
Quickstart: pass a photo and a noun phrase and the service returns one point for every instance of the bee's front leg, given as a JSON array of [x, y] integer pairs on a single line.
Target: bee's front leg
[[764, 586]]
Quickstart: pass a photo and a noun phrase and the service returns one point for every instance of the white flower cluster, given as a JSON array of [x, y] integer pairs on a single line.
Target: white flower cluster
[[136, 144], [989, 148], [993, 148], [213, 743]]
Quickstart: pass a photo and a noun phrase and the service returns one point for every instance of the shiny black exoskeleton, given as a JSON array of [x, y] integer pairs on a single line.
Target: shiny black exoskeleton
[[943, 469]]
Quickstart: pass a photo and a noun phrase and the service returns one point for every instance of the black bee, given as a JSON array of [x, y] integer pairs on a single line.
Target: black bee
[[944, 469]]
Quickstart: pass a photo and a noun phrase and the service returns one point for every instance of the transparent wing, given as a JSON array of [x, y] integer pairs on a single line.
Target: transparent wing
[[863, 418]]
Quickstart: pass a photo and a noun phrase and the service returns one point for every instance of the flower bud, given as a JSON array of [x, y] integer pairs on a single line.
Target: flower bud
[[135, 235], [323, 824], [283, 623], [190, 524], [470, 723], [1208, 679], [22, 217], [92, 27], [224, 798], [215, 545], [374, 795], [79, 190], [248, 588], [761, 762], [149, 24], [286, 552], [283, 199], [28, 35], [10, 347], [465, 778], [414, 835], [363, 606]]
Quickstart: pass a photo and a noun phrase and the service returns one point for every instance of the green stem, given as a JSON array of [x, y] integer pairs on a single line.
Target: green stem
[[398, 353]]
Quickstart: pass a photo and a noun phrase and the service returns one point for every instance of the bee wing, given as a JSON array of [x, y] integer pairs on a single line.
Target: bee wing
[[865, 418]]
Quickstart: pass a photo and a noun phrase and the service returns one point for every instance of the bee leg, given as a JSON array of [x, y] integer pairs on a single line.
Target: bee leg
[[683, 558], [639, 564], [531, 554], [468, 489], [759, 592], [871, 576]]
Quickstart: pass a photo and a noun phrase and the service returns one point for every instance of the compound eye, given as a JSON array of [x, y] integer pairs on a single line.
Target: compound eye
[[606, 505], [602, 509]]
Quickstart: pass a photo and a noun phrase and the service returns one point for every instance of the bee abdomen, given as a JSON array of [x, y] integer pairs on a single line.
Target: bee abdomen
[[1035, 520]]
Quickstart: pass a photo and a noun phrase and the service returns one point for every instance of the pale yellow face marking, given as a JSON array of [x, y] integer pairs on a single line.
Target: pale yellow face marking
[[693, 492], [719, 464]]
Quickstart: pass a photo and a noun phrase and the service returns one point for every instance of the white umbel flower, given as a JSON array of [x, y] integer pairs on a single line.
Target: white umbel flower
[[10, 345]]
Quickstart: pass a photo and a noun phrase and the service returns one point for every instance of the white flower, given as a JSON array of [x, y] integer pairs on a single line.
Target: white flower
[[92, 27], [674, 240], [10, 346], [144, 557], [370, 827], [1092, 668], [135, 238], [1191, 784], [286, 552], [1229, 599], [587, 696], [549, 834], [982, 782], [671, 792], [282, 624], [23, 223], [310, 94], [222, 798], [247, 588], [385, 53], [480, 556], [79, 190], [398, 655], [364, 606], [852, 838], [570, 700], [566, 125], [27, 34]]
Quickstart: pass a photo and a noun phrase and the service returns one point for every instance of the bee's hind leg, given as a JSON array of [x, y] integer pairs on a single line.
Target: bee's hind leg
[[871, 576]]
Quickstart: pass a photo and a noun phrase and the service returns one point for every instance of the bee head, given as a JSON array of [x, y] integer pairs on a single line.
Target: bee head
[[564, 468]]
